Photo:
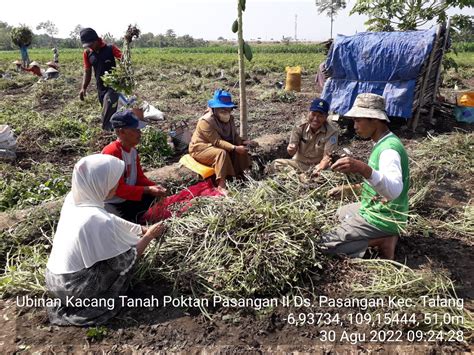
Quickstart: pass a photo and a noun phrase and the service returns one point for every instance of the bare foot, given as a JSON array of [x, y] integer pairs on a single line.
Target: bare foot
[[386, 246]]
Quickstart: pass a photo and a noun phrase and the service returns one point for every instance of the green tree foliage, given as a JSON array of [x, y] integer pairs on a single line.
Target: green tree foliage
[[5, 36], [50, 28], [330, 7], [74, 39], [463, 28], [405, 15], [147, 40]]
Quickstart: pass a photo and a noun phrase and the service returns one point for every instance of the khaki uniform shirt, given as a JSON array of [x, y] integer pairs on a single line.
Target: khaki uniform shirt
[[313, 146], [207, 135]]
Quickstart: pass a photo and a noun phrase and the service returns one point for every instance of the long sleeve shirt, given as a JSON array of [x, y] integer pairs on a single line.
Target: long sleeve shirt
[[206, 135], [133, 182], [388, 180], [313, 146]]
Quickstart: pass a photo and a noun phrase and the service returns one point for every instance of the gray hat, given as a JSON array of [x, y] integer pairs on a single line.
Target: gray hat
[[368, 106]]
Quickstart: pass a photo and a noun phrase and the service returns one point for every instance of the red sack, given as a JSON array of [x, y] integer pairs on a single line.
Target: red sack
[[179, 202]]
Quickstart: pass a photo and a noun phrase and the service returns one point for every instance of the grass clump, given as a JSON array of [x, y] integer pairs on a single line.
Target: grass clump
[[154, 147], [386, 278]]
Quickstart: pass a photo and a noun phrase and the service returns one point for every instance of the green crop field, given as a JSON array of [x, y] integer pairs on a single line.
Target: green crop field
[[261, 240]]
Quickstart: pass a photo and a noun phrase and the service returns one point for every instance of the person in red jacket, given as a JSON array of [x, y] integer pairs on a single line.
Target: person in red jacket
[[135, 193], [34, 68]]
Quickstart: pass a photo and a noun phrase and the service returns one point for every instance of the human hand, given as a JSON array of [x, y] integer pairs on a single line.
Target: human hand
[[339, 191], [348, 165], [156, 190], [291, 149], [240, 149], [316, 171], [82, 94], [155, 230]]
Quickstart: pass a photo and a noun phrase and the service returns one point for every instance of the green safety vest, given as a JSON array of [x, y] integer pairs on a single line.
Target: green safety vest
[[392, 215]]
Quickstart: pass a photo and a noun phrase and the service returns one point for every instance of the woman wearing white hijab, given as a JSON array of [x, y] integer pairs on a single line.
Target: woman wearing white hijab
[[93, 251]]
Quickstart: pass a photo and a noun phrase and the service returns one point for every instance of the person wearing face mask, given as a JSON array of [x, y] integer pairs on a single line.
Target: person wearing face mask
[[311, 142], [216, 143]]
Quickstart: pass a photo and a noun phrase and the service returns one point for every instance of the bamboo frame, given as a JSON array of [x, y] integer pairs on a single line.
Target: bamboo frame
[[414, 122]]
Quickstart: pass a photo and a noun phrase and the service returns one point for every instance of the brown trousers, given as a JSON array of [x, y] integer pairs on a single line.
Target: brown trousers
[[224, 163]]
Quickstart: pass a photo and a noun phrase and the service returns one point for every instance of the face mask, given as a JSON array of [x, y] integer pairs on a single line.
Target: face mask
[[224, 116]]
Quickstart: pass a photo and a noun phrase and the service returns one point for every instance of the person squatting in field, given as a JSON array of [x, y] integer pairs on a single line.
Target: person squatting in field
[[216, 143], [94, 252], [382, 212], [311, 142], [100, 56], [135, 193]]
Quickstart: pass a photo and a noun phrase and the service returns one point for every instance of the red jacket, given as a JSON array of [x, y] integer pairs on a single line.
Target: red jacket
[[128, 192], [35, 70], [115, 50]]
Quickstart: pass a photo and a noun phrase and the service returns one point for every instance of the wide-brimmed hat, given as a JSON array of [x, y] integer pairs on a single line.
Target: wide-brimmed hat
[[319, 105], [34, 64], [126, 119], [368, 106], [17, 62], [221, 99], [88, 36], [51, 70]]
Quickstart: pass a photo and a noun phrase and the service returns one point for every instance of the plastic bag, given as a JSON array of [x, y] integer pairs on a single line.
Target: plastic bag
[[181, 136], [293, 78], [150, 112], [466, 99]]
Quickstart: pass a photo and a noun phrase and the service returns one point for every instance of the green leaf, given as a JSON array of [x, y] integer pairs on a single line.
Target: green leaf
[[242, 4], [235, 26]]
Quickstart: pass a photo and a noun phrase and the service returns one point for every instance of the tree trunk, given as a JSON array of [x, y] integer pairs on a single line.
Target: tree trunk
[[243, 95]]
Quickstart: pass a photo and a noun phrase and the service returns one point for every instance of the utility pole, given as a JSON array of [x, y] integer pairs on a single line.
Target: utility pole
[[332, 15], [296, 27]]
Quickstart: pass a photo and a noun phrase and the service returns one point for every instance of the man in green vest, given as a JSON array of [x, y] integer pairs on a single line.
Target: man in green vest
[[382, 212]]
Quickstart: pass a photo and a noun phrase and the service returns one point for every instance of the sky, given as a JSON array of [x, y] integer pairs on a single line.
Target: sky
[[207, 19]]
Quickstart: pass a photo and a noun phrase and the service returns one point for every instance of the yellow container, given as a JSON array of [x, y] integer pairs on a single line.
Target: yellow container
[[293, 78], [466, 99], [203, 170]]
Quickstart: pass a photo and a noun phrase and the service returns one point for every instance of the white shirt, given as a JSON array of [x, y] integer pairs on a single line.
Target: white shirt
[[130, 160], [388, 180]]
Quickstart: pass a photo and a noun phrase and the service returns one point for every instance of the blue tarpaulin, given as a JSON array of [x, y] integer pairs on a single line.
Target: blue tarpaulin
[[383, 63]]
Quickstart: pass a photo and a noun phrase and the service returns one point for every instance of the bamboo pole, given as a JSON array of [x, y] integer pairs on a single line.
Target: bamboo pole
[[414, 122], [438, 74]]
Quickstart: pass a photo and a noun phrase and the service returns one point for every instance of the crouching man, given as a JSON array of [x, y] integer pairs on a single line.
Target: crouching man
[[135, 192], [311, 142], [383, 209]]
